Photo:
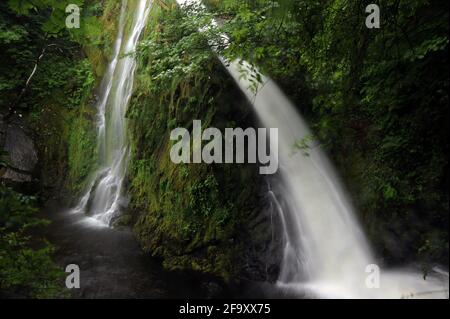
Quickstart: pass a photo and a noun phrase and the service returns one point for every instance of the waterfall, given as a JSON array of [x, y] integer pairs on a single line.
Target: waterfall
[[325, 253], [104, 197]]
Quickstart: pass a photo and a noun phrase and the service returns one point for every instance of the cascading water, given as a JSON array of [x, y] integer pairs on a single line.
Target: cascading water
[[325, 254], [103, 200]]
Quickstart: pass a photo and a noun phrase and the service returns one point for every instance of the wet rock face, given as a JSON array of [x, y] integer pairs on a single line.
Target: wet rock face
[[22, 153], [262, 254]]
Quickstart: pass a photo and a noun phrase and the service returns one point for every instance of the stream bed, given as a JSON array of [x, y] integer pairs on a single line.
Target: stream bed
[[111, 263]]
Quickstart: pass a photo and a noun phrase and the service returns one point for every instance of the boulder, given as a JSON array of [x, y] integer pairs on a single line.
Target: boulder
[[22, 154]]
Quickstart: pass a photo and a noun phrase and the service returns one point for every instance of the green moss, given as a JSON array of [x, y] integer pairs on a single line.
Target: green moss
[[188, 214], [82, 141], [100, 52]]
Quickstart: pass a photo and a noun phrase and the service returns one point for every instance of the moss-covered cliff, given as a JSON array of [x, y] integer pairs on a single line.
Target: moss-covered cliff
[[195, 216]]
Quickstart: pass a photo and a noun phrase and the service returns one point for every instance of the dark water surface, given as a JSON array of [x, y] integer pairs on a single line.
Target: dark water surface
[[111, 263]]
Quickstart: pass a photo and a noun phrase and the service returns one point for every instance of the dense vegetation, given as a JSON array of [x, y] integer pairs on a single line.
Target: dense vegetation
[[376, 99], [45, 84], [26, 266]]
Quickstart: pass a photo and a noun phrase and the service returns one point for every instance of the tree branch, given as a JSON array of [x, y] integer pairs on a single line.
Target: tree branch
[[14, 105]]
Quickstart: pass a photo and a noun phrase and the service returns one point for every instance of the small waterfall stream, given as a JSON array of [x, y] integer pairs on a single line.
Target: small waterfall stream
[[103, 200]]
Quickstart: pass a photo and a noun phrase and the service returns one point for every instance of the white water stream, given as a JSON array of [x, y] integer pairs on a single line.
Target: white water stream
[[104, 198], [326, 253]]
